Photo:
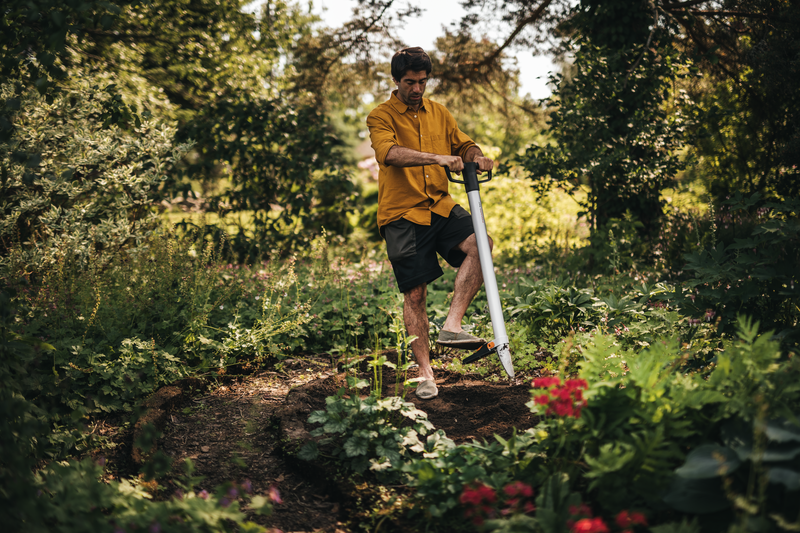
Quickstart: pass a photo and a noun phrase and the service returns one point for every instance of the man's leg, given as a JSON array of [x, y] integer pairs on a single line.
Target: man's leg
[[468, 280], [415, 316]]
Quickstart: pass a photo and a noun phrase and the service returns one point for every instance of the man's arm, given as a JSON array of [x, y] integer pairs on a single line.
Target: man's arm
[[399, 156]]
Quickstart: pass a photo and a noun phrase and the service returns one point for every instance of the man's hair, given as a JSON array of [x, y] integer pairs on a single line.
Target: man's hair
[[414, 59]]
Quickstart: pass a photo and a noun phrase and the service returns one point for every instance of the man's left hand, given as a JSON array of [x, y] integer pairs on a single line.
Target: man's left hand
[[484, 163]]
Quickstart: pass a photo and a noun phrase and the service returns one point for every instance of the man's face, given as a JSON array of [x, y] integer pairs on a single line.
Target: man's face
[[411, 87]]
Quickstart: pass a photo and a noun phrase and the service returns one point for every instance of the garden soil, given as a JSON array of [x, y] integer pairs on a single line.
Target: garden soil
[[245, 428]]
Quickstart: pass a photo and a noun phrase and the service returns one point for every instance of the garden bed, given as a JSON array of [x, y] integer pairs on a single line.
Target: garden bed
[[467, 407]]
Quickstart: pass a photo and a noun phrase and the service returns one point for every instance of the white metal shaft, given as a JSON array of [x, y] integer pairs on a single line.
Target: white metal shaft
[[490, 282]]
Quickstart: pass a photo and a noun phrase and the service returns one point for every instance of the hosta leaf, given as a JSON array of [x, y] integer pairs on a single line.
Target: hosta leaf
[[708, 461], [696, 496], [785, 476], [782, 430]]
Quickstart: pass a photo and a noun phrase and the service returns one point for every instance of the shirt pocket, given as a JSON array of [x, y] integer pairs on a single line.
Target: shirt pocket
[[440, 144]]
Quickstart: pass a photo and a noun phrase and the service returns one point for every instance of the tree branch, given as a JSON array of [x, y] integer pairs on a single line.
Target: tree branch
[[521, 26], [679, 5], [742, 14]]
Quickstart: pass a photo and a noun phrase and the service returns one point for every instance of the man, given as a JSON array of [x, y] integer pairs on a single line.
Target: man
[[414, 139]]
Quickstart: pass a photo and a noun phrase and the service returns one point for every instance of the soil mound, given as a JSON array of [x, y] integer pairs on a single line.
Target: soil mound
[[467, 408]]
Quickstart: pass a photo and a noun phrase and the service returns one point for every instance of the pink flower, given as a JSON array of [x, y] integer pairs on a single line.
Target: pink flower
[[274, 495]]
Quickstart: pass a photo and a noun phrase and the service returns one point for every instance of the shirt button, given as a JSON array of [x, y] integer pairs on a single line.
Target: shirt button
[[415, 116]]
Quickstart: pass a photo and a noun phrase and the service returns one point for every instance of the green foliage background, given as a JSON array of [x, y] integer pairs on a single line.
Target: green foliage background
[[113, 111]]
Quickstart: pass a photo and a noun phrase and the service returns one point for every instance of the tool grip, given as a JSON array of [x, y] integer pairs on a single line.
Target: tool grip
[[450, 176]]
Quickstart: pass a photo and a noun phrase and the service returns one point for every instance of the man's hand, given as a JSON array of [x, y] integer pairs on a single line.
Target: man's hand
[[453, 162], [484, 163]]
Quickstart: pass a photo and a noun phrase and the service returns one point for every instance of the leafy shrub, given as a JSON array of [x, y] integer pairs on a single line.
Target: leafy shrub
[[523, 224], [756, 273], [548, 311], [352, 306], [284, 168], [642, 409], [72, 185], [439, 477]]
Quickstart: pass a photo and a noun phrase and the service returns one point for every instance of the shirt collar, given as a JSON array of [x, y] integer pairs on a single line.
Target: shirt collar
[[400, 107]]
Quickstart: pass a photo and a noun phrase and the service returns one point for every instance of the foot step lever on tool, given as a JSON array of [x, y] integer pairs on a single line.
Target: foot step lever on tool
[[500, 343]]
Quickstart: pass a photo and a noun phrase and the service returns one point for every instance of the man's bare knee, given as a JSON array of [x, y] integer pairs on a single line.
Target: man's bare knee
[[470, 245], [417, 296]]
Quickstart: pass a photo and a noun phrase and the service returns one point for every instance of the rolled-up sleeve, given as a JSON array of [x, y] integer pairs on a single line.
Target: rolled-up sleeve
[[382, 135]]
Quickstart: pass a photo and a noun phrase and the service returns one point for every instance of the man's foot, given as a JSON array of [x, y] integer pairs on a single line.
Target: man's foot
[[461, 340], [427, 390]]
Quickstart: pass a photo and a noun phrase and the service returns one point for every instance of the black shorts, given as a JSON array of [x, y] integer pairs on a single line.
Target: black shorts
[[412, 248]]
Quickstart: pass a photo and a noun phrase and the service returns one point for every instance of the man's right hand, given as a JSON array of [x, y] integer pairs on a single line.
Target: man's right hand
[[453, 162]]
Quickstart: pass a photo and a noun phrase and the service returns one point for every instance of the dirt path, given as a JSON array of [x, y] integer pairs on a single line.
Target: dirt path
[[229, 434]]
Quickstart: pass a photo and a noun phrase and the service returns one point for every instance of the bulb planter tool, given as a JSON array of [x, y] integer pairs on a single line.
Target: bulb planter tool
[[500, 343]]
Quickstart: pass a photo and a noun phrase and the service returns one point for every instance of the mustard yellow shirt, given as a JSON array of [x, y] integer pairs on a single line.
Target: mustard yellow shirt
[[414, 192]]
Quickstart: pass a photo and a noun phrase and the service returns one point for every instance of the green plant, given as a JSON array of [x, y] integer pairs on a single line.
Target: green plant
[[367, 433]]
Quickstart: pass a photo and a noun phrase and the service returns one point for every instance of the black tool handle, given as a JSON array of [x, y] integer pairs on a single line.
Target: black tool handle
[[470, 176]]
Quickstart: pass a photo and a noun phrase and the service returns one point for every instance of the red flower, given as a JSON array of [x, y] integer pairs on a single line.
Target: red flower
[[575, 384], [542, 399], [478, 494], [582, 510], [518, 488], [626, 519], [562, 400], [590, 525], [546, 383], [470, 497]]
